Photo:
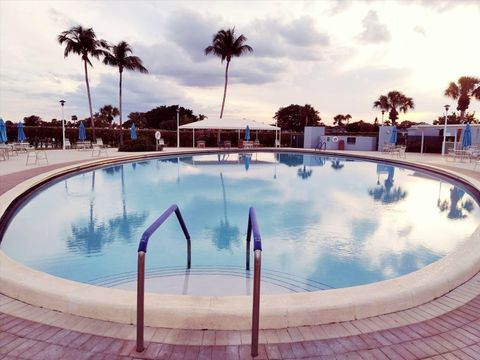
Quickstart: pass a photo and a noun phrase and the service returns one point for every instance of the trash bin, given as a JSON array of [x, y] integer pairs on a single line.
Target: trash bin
[[341, 145]]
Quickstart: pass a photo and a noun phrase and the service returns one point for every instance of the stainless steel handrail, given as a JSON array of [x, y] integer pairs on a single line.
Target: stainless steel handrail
[[257, 248], [142, 249]]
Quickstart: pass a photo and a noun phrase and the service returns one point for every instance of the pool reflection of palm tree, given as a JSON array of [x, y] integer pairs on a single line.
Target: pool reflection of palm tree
[[456, 208], [224, 235], [303, 173], [387, 193], [123, 225], [337, 165], [89, 239]]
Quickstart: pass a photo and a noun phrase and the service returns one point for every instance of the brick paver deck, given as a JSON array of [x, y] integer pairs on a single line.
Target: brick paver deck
[[446, 328], [453, 335]]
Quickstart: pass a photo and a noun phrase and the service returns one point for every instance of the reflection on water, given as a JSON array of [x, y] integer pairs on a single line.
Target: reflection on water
[[386, 193], [337, 164], [225, 235], [303, 173], [290, 159], [90, 238], [344, 224], [456, 208]]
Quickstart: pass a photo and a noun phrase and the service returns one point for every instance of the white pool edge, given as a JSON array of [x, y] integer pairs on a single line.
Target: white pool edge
[[234, 312]]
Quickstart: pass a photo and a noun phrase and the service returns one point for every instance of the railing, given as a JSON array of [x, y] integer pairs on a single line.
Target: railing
[[257, 248], [322, 145], [142, 249]]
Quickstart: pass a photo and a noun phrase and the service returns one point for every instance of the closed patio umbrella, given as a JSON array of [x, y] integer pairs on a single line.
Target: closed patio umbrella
[[133, 132], [393, 136], [3, 131], [467, 137], [21, 134], [81, 132], [247, 133]]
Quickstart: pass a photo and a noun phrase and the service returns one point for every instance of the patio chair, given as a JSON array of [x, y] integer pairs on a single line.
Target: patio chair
[[4, 152], [161, 144], [67, 144], [256, 143], [37, 156]]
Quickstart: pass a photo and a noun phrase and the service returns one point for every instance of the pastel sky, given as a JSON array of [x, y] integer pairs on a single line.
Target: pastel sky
[[339, 56]]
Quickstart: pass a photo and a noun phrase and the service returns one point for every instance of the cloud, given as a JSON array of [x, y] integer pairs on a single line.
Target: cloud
[[374, 32], [167, 60], [296, 40], [302, 32], [445, 5], [419, 29], [338, 6], [192, 32]]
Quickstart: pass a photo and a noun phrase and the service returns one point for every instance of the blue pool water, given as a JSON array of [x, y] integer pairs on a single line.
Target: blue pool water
[[325, 222]]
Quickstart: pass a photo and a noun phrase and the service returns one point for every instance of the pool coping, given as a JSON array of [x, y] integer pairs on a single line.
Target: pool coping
[[234, 312]]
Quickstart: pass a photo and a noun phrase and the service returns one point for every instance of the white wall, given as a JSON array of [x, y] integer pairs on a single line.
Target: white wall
[[364, 143], [312, 136], [384, 133]]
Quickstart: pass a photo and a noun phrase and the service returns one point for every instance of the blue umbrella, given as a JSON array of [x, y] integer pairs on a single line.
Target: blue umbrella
[[133, 132], [21, 134], [393, 136], [247, 133], [81, 132], [3, 131], [467, 137]]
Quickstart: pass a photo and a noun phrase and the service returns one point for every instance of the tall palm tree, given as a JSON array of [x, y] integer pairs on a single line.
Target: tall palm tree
[[119, 56], [394, 102], [467, 87], [83, 42], [225, 45]]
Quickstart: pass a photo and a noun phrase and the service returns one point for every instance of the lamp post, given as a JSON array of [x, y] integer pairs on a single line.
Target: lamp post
[[178, 127], [62, 102], [445, 130], [383, 112]]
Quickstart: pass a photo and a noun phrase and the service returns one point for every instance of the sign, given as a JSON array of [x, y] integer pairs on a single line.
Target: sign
[[158, 135]]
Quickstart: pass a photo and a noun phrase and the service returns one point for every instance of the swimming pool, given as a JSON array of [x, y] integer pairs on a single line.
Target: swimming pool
[[326, 222]]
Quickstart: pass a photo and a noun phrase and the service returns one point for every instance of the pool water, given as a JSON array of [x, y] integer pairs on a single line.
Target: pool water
[[326, 222]]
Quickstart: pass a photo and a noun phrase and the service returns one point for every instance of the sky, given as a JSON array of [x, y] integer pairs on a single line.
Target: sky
[[339, 56]]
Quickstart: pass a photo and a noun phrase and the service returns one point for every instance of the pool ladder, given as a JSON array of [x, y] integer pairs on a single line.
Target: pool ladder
[[252, 228]]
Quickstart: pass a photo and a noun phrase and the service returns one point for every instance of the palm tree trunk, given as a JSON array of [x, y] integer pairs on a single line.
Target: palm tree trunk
[[120, 109], [462, 115], [89, 102], [225, 89]]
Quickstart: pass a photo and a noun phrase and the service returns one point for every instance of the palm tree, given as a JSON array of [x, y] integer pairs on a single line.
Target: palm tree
[[119, 56], [225, 45], [394, 102], [467, 87], [339, 119], [83, 42]]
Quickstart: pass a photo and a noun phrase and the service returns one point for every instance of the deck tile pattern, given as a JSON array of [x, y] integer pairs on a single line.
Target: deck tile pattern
[[452, 335]]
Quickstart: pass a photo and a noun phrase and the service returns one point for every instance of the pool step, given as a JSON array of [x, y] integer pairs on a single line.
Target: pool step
[[210, 276]]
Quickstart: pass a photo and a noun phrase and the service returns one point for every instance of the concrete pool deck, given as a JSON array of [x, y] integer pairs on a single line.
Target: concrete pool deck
[[449, 325]]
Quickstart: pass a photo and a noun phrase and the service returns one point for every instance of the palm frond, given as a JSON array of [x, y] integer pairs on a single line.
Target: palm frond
[[452, 91]]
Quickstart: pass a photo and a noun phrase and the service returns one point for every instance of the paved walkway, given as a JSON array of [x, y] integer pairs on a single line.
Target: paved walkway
[[446, 328]]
